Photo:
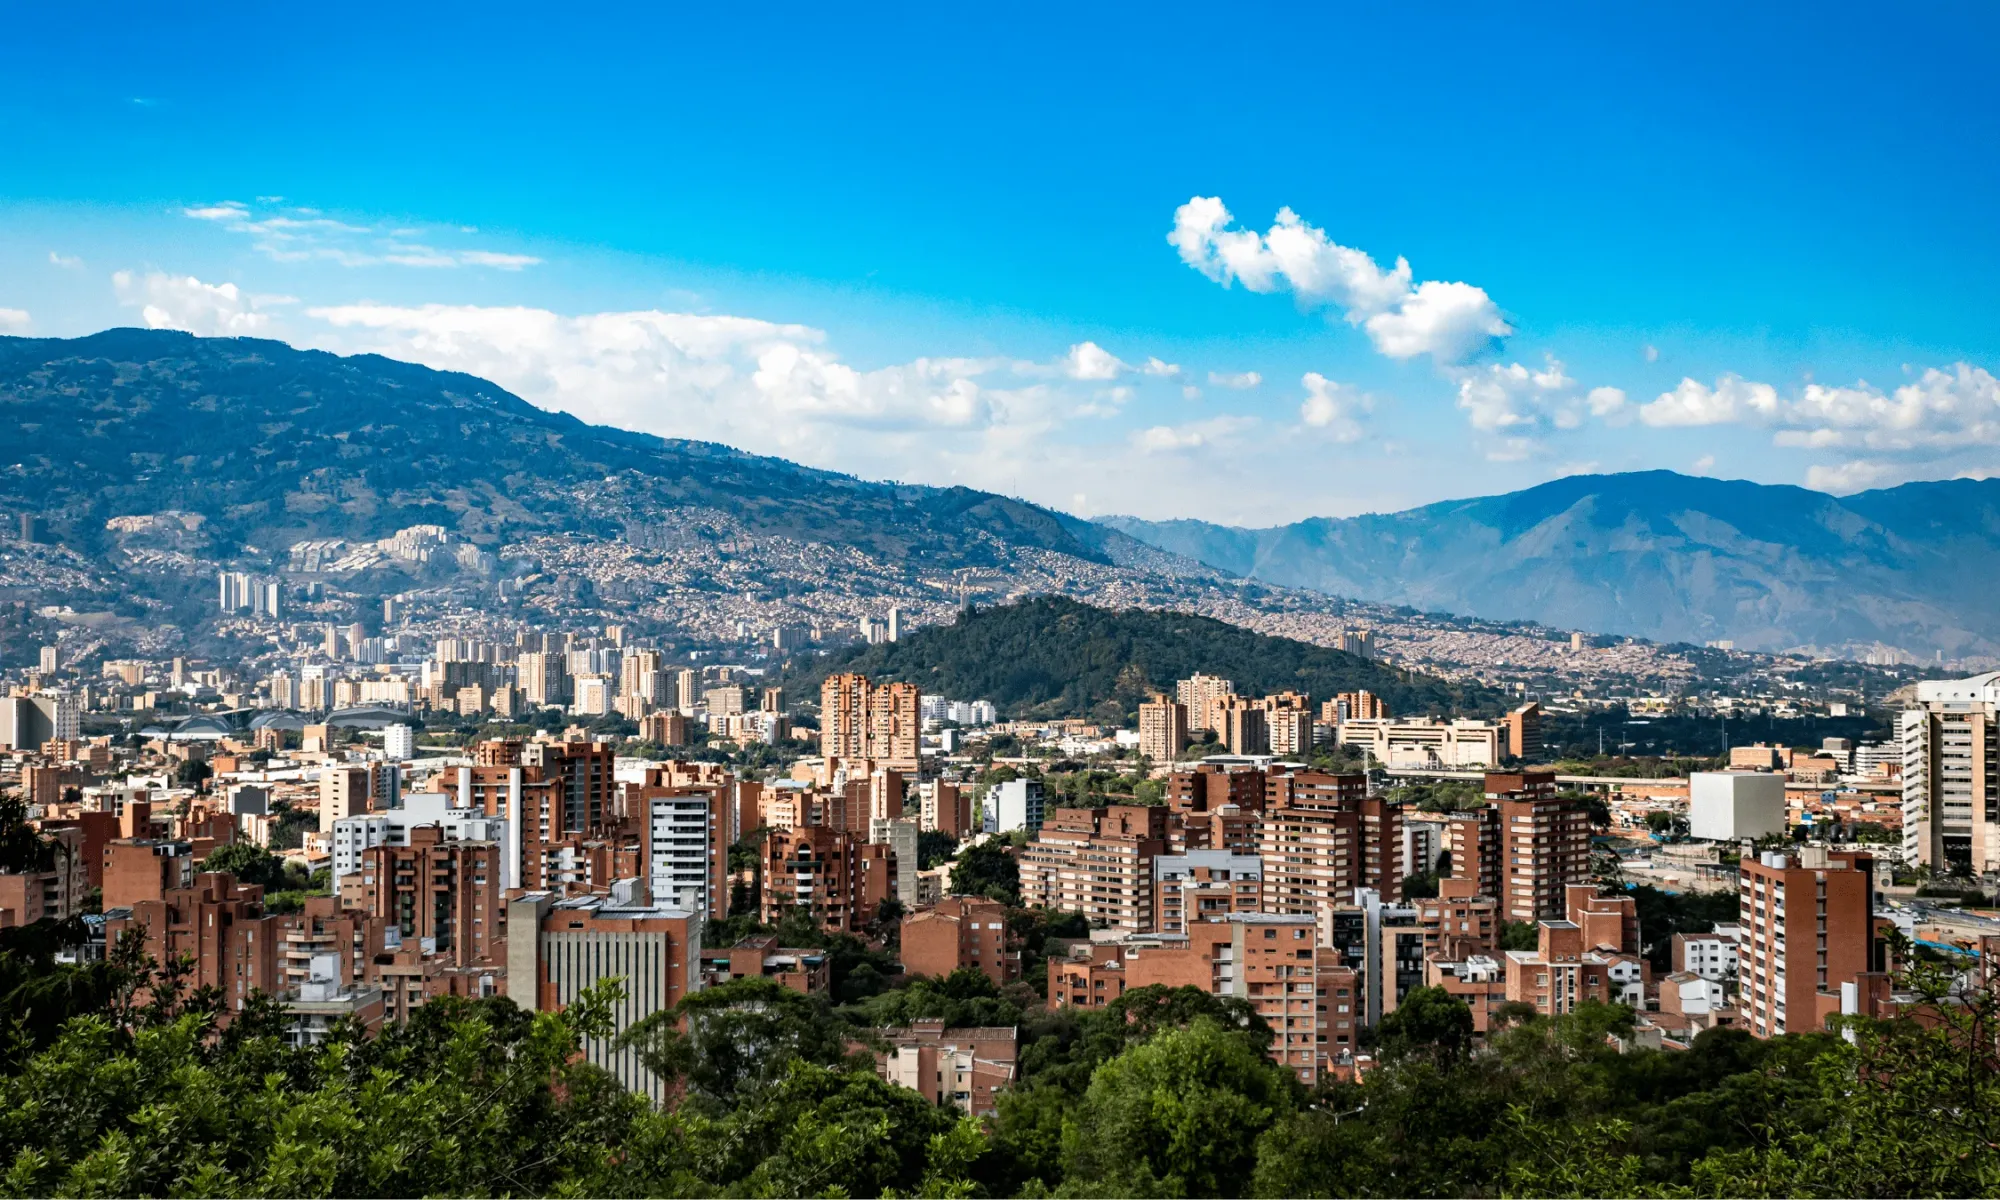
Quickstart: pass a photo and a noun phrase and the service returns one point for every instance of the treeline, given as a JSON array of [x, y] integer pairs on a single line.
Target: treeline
[[118, 1079], [1054, 657]]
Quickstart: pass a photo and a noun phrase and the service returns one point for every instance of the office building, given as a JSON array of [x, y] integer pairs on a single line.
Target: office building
[[1951, 775], [559, 947], [1524, 732]]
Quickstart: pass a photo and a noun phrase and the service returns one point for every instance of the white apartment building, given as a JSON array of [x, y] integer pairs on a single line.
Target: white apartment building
[[678, 851], [391, 827]]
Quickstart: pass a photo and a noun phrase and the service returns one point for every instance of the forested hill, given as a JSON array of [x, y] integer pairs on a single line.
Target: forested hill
[[1053, 657]]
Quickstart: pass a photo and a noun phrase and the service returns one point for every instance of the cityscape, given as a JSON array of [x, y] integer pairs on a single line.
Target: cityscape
[[539, 656]]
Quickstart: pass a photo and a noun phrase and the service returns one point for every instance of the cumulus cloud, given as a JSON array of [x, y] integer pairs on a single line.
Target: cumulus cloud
[[184, 302], [1843, 478], [1510, 396], [1240, 381], [1333, 408], [1733, 398], [1195, 435], [1403, 318], [295, 235], [13, 320], [1092, 362]]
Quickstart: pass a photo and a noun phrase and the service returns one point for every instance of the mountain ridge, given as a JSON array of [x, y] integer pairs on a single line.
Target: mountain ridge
[[1655, 554]]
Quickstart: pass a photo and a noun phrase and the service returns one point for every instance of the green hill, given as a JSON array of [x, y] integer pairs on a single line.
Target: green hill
[[1052, 657]]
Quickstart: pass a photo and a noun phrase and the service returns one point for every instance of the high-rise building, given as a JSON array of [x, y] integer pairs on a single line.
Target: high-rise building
[[687, 690], [1290, 731], [49, 660], [836, 876], [1951, 775], [1014, 805], [593, 695], [399, 742], [895, 623], [1202, 695], [843, 716], [1243, 726], [685, 855], [1524, 731], [1542, 841], [1354, 706], [343, 792], [544, 681], [1322, 837], [28, 721], [859, 719], [1098, 862], [1808, 929], [1163, 729], [1360, 642], [559, 947]]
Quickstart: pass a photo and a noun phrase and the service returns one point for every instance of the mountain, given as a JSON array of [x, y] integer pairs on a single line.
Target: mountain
[[270, 445], [1054, 657], [1658, 555]]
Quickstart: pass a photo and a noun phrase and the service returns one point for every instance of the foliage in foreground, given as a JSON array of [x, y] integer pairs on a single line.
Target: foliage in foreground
[[119, 1080]]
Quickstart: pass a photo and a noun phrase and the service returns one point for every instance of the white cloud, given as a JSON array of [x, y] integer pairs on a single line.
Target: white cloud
[[295, 234], [1088, 360], [1242, 381], [1332, 407], [1704, 464], [184, 302], [1195, 435], [1733, 398], [66, 261], [1940, 409], [14, 320], [1092, 362], [1651, 353], [1404, 319], [1451, 322], [1501, 397]]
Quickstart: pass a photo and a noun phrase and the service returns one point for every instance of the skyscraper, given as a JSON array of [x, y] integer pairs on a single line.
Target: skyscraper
[[1951, 775], [1163, 729]]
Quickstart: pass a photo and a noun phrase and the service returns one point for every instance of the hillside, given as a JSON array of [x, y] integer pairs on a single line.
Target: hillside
[[270, 445], [1053, 657], [1657, 555]]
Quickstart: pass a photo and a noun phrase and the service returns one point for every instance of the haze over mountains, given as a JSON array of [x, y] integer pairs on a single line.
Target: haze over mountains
[[1658, 555], [158, 455]]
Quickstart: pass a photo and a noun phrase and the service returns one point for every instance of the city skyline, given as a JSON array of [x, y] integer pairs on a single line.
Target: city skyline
[[1599, 278]]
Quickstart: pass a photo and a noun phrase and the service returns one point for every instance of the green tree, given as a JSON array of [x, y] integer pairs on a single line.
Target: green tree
[[1430, 1021], [988, 870], [1177, 1116], [251, 864], [729, 1040]]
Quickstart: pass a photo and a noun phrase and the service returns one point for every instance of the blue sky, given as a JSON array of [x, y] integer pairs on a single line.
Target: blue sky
[[934, 246]]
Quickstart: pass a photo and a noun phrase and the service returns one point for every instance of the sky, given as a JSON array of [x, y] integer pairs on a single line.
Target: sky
[[1246, 264]]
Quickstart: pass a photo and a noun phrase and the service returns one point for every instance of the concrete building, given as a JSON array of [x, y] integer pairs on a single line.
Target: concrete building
[[899, 834], [1951, 775], [399, 743], [1542, 842], [1729, 806], [1714, 955], [1202, 695], [832, 874], [1204, 885], [560, 947], [28, 721], [1016, 804], [1524, 732], [686, 856], [1424, 743]]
